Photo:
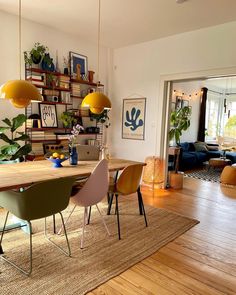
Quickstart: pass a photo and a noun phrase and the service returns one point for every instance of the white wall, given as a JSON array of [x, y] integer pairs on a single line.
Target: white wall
[[138, 69], [53, 39]]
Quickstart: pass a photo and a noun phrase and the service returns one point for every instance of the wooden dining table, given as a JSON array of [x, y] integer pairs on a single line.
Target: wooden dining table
[[21, 175]]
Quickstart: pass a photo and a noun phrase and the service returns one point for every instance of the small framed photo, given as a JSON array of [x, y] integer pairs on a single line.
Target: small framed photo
[[185, 103], [178, 104], [78, 59], [48, 114]]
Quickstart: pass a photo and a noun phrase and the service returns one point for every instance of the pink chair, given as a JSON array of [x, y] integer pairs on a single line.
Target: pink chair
[[92, 192]]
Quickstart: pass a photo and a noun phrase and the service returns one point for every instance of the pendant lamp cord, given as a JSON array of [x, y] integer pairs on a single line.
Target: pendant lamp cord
[[20, 38], [99, 32]]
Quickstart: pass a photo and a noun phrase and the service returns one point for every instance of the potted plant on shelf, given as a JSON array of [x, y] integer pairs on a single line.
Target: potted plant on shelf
[[179, 122], [68, 119], [102, 118], [35, 55], [13, 152]]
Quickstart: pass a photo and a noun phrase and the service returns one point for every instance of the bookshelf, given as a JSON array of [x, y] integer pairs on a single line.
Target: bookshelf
[[66, 94]]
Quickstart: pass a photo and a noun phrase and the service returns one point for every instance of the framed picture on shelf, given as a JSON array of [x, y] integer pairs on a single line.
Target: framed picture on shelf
[[133, 118], [80, 60], [48, 114], [178, 104], [185, 103]]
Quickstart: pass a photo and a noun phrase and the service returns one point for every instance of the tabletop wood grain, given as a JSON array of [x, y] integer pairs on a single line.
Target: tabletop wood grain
[[26, 173]]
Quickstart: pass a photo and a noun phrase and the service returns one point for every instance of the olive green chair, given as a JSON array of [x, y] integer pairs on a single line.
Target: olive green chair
[[38, 201]]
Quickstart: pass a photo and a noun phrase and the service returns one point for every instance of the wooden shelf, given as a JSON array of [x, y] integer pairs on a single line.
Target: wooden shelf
[[85, 82], [54, 102], [49, 129], [76, 97], [46, 72]]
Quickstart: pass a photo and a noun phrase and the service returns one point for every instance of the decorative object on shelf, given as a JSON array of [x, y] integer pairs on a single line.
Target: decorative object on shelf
[[51, 80], [73, 140], [13, 150], [78, 59], [133, 118], [48, 115], [35, 118], [57, 158], [66, 65], [179, 121], [97, 101], [68, 119], [47, 63], [19, 92], [90, 76]]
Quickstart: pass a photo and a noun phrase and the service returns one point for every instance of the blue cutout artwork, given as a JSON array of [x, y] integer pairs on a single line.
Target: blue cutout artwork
[[132, 119]]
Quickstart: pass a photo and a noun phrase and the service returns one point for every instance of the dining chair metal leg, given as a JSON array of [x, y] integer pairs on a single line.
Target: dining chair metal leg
[[56, 245], [103, 221], [117, 215], [26, 272], [89, 215], [144, 213], [67, 219], [110, 204], [140, 201], [84, 223]]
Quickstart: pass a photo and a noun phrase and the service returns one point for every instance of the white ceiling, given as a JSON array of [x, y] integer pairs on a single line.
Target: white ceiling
[[125, 22]]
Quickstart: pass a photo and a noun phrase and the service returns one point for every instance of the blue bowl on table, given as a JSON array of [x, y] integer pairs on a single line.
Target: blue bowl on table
[[56, 161]]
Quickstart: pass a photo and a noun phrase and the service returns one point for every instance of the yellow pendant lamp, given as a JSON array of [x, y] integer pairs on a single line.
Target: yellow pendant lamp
[[20, 92], [97, 102]]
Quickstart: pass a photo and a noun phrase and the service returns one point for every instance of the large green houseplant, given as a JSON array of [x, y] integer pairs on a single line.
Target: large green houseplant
[[13, 150], [179, 122]]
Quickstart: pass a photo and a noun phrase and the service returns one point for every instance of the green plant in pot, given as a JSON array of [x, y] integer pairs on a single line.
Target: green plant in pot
[[68, 119], [101, 118], [12, 151], [179, 122], [36, 54]]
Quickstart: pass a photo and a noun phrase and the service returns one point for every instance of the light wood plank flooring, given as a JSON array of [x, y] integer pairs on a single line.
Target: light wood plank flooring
[[201, 261]]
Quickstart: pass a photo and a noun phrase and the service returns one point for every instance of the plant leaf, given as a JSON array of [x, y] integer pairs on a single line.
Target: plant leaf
[[5, 138], [9, 150], [22, 137], [18, 121], [7, 121], [4, 157], [22, 151], [2, 129]]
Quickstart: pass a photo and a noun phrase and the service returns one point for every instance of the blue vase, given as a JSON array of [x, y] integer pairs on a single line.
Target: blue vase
[[73, 156]]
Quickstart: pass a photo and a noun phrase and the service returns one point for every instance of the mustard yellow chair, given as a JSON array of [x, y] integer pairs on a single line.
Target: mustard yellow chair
[[128, 183], [228, 175]]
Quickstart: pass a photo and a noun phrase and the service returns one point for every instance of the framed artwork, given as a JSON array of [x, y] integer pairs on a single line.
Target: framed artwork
[[178, 104], [48, 114], [78, 59], [133, 118], [185, 103]]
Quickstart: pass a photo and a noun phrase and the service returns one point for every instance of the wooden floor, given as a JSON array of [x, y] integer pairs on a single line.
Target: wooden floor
[[201, 261]]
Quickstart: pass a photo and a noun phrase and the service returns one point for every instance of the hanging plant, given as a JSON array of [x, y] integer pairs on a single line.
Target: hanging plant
[[35, 55]]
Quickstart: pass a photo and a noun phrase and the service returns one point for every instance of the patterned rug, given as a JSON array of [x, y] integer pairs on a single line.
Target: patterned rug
[[102, 258], [212, 175]]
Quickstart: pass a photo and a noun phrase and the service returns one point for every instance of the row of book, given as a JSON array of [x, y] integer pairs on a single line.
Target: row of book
[[75, 89], [42, 135], [64, 82]]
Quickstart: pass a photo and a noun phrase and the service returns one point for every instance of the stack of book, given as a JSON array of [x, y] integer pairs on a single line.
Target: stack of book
[[37, 148], [41, 135], [64, 82], [75, 88], [36, 78]]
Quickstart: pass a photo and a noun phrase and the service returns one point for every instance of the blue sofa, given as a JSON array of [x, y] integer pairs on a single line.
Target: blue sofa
[[190, 158]]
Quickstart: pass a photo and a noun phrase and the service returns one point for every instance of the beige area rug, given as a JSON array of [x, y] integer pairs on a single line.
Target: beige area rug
[[102, 258]]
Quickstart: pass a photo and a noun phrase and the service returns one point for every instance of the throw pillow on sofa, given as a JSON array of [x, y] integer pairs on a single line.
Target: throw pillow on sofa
[[200, 146]]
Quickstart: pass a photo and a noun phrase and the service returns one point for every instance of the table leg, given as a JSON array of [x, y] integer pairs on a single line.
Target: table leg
[[1, 250], [54, 224]]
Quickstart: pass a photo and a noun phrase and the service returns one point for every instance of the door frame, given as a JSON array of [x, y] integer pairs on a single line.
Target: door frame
[[166, 82]]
